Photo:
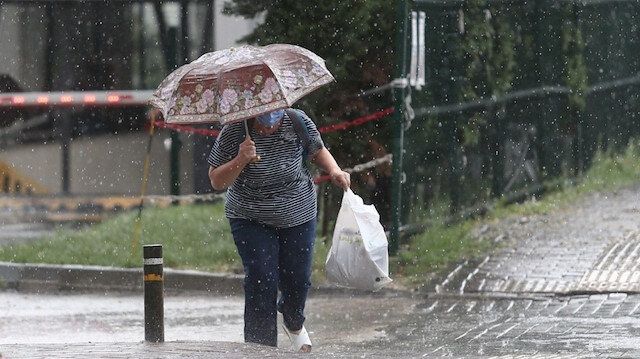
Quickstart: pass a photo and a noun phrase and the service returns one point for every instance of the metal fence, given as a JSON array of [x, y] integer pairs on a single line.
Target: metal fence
[[517, 93]]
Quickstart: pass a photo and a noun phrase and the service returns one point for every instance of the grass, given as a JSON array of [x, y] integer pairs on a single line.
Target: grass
[[193, 237], [198, 237], [435, 250]]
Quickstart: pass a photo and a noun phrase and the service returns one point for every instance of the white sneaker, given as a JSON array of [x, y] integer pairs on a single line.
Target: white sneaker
[[299, 342]]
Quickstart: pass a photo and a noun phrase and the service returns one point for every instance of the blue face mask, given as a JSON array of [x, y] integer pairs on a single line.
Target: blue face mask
[[270, 119]]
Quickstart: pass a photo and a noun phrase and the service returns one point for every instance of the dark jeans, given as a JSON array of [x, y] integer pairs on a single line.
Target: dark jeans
[[273, 258]]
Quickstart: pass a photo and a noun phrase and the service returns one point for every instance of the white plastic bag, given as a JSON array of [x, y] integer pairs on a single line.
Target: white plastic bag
[[358, 257]]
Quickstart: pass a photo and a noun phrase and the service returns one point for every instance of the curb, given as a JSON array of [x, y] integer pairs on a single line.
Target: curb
[[53, 278], [48, 278]]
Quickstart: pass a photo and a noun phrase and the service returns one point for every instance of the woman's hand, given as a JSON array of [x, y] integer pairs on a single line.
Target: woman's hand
[[325, 160], [223, 176], [247, 151], [341, 179]]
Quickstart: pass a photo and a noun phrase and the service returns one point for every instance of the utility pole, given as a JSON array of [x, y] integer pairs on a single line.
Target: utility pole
[[201, 144], [399, 92], [174, 157]]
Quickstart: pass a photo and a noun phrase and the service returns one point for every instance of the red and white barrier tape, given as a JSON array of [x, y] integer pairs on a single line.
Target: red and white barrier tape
[[357, 168], [356, 122], [194, 198], [326, 129]]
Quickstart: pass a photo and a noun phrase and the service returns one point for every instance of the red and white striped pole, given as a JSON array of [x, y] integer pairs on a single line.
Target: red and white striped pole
[[114, 98]]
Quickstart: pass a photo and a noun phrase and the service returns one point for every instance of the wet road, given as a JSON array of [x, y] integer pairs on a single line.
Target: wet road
[[68, 318], [36, 325], [581, 326], [584, 326]]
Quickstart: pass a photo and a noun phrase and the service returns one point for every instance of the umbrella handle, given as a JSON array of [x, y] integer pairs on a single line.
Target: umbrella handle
[[246, 129]]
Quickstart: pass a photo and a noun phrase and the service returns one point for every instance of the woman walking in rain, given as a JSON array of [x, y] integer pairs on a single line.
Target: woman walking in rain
[[272, 210]]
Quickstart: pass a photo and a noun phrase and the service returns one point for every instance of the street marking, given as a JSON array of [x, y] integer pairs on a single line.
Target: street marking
[[613, 278], [539, 286], [528, 305], [432, 307], [510, 305], [630, 263], [453, 273], [580, 307], [464, 282], [634, 309], [550, 286], [529, 285], [437, 349], [482, 283], [490, 306], [486, 330], [621, 254], [561, 307], [470, 276], [624, 278], [603, 261], [593, 276], [615, 309], [630, 258], [471, 305], [526, 331], [566, 331], [617, 270], [451, 307], [598, 307], [507, 331], [465, 333], [551, 327]]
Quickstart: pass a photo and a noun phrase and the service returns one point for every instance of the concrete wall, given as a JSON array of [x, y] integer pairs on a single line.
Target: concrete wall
[[22, 48], [113, 164], [41, 163], [103, 165], [9, 40]]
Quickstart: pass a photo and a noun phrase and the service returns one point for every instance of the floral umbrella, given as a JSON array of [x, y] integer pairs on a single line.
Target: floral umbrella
[[238, 83]]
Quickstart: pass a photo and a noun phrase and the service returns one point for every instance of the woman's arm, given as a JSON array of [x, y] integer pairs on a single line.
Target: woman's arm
[[223, 176], [325, 160]]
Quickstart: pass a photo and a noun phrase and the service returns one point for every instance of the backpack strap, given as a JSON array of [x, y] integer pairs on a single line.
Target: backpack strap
[[300, 128]]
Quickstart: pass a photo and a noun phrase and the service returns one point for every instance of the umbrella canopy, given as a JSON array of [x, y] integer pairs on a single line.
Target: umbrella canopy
[[238, 83]]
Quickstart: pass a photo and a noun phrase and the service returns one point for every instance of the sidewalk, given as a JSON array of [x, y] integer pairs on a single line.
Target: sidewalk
[[591, 247]]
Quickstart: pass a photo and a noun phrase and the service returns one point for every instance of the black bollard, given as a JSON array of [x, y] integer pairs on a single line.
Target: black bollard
[[153, 293]]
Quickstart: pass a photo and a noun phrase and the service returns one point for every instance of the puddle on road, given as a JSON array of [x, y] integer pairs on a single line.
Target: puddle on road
[[68, 318], [46, 318]]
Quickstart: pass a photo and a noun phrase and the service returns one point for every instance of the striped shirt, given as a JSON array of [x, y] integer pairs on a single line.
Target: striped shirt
[[277, 190]]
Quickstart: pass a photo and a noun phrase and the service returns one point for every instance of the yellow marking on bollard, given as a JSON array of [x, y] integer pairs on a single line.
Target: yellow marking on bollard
[[152, 277]]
